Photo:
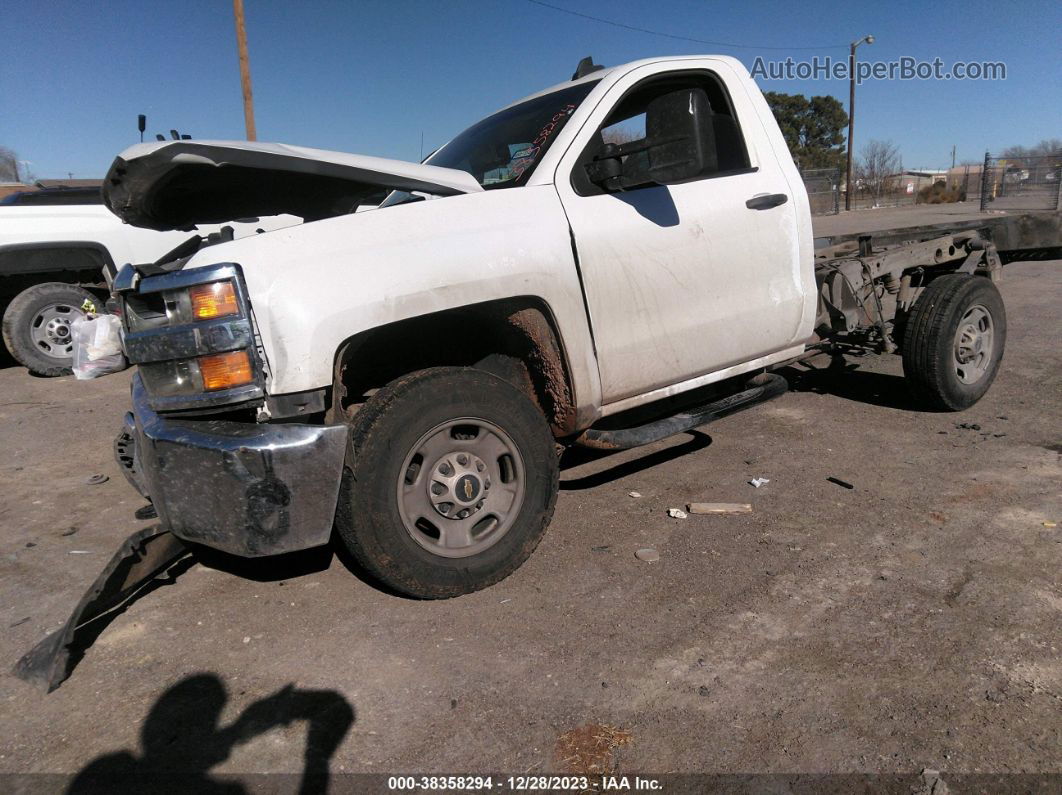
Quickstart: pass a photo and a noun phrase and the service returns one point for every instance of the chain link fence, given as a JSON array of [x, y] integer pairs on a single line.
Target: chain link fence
[[824, 190], [1021, 183], [1000, 183]]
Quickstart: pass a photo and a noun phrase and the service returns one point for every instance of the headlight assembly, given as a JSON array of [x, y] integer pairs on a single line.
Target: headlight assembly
[[190, 332]]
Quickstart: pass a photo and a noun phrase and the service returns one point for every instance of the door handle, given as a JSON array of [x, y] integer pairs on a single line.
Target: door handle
[[766, 201]]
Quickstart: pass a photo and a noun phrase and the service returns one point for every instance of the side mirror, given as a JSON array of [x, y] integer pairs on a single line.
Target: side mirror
[[679, 136], [679, 145]]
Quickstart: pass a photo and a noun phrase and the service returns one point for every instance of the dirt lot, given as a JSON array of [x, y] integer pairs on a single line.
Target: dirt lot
[[910, 622]]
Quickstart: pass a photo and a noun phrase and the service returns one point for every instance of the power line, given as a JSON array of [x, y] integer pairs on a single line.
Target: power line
[[673, 36]]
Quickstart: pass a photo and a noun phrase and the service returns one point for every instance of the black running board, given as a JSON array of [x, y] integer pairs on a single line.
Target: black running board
[[762, 388]]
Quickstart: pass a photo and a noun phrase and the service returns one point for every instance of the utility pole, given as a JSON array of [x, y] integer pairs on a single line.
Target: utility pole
[[245, 70], [851, 117], [953, 155]]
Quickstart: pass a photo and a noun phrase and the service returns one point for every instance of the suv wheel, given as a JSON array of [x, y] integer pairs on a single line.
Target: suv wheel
[[451, 482]]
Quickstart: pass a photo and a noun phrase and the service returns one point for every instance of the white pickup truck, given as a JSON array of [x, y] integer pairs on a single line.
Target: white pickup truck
[[580, 268]]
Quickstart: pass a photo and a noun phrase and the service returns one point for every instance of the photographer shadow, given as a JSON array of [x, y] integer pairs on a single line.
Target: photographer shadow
[[182, 739]]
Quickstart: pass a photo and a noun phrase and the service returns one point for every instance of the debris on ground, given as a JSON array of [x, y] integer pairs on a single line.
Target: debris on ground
[[80, 552], [719, 507], [969, 426], [648, 554], [587, 750], [96, 480], [69, 532], [676, 513], [1050, 524], [932, 783], [634, 494], [757, 482], [842, 483], [19, 622], [602, 548]]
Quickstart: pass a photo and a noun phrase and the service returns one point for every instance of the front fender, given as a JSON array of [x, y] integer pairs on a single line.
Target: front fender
[[314, 286]]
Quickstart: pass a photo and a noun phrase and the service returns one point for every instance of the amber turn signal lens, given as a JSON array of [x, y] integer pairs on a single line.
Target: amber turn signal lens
[[213, 300], [225, 370]]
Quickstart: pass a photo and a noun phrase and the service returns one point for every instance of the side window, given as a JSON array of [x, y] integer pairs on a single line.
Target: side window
[[626, 125], [625, 131]]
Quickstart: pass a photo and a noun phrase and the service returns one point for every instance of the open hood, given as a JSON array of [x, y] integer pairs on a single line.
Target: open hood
[[178, 184]]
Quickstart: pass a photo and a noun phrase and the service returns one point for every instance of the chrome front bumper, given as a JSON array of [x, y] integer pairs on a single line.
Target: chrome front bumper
[[245, 488]]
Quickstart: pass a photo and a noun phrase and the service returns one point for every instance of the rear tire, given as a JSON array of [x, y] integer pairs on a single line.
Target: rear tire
[[953, 341], [450, 483], [36, 326]]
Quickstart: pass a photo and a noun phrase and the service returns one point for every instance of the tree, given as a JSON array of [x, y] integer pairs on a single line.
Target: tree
[[11, 168], [813, 128], [1048, 146], [878, 160]]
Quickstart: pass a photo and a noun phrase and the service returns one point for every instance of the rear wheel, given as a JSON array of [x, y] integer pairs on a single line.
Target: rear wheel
[[37, 326], [953, 341], [451, 482]]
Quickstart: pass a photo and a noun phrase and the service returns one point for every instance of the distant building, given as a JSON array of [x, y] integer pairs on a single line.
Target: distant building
[[912, 180]]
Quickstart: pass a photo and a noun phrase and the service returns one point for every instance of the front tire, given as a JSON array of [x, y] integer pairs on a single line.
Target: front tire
[[37, 326], [451, 482], [953, 341]]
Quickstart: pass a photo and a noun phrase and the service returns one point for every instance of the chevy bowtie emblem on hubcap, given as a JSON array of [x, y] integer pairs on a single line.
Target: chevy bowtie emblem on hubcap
[[468, 488]]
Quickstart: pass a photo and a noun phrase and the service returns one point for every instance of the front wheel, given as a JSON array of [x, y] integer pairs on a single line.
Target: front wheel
[[451, 482], [38, 326], [953, 341]]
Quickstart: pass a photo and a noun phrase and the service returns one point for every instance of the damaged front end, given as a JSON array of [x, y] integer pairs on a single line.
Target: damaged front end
[[194, 447], [251, 489], [192, 443], [221, 461]]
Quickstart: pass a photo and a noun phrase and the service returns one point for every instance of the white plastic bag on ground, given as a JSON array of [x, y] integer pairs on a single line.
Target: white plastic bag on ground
[[97, 347]]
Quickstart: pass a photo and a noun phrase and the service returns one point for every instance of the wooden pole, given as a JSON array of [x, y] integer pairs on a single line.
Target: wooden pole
[[245, 71], [851, 127]]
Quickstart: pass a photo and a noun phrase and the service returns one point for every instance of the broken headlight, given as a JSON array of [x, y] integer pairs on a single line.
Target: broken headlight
[[191, 333]]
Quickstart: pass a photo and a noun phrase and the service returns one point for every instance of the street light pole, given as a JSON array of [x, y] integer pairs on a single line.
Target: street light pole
[[851, 117]]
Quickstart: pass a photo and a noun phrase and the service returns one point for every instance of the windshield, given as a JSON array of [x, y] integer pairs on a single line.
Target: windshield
[[502, 150]]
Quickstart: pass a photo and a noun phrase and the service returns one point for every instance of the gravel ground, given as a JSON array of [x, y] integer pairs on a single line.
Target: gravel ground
[[910, 622]]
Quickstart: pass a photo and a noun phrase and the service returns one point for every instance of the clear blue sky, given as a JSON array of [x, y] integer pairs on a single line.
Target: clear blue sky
[[369, 76]]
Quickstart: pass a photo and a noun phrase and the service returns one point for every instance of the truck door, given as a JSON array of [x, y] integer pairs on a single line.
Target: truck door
[[683, 280]]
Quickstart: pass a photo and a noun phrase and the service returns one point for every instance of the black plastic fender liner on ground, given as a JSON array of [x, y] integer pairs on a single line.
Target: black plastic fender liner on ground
[[143, 556]]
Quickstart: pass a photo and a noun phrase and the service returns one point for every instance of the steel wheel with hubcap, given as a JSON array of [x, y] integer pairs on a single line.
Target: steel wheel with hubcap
[[38, 326], [51, 330], [954, 340], [461, 487], [973, 345], [450, 484]]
